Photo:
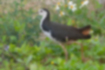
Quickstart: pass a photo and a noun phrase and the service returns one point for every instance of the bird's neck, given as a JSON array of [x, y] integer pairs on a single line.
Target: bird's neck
[[46, 18]]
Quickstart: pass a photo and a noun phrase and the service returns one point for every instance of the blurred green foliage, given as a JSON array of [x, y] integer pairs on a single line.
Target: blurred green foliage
[[21, 48]]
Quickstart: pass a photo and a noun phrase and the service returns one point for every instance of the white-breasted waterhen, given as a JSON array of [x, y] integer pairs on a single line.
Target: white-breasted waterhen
[[62, 33]]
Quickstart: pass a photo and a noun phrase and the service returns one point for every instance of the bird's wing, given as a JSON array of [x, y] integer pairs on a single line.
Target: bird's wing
[[63, 32]]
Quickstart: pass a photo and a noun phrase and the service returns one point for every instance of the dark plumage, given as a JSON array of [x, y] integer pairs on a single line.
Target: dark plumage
[[62, 32]]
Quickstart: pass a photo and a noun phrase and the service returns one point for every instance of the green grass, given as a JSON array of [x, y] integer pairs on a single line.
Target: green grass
[[20, 31], [50, 56]]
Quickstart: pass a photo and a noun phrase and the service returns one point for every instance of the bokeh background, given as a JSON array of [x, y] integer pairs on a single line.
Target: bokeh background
[[24, 47]]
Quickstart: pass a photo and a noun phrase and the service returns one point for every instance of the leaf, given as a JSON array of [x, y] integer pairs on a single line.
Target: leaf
[[29, 59]]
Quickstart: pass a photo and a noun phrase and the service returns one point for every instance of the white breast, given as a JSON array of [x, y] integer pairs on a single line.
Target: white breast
[[47, 33]]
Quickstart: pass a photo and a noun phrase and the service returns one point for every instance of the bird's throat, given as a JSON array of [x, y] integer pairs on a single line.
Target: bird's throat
[[46, 17]]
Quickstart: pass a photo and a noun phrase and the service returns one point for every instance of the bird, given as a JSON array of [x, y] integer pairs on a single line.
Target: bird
[[62, 33]]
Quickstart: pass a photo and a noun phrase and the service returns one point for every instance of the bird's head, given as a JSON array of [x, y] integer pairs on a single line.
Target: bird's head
[[44, 13]]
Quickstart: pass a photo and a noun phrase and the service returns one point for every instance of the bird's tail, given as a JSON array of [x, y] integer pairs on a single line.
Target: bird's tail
[[86, 31]]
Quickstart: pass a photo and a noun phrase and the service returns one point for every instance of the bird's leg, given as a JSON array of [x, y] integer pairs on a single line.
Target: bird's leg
[[82, 53], [65, 51]]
